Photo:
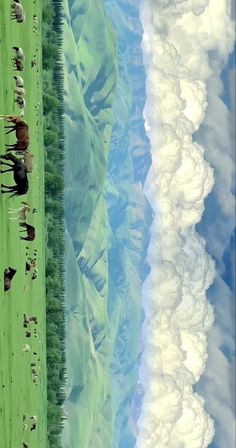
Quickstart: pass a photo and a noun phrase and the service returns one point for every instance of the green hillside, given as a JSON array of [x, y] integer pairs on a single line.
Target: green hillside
[[106, 223], [90, 80]]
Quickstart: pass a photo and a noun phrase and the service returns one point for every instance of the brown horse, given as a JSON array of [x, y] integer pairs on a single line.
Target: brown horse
[[30, 231], [22, 132], [18, 65], [18, 146]]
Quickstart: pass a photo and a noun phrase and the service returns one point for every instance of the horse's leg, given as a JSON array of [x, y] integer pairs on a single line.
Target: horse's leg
[[12, 128], [24, 238], [8, 191], [5, 163], [6, 171], [12, 187], [7, 117]]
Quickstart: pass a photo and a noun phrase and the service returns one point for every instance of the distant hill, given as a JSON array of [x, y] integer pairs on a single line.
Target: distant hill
[[107, 219], [129, 217]]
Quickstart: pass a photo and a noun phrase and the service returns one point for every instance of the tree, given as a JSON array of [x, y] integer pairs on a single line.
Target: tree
[[53, 88]]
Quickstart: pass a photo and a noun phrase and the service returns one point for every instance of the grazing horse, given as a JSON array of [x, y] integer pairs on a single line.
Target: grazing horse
[[21, 103], [18, 64], [20, 91], [30, 231], [20, 176], [28, 319], [19, 81], [25, 445], [28, 159], [19, 125], [34, 418], [8, 276], [19, 146], [22, 132], [20, 213], [31, 267], [17, 11], [19, 53]]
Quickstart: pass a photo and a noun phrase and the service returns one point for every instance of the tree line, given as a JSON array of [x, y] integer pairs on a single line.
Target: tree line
[[53, 109]]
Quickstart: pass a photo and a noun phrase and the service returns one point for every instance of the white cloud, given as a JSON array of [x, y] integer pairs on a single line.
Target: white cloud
[[218, 382], [185, 45]]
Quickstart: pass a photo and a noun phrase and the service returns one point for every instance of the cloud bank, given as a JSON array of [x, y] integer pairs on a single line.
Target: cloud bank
[[185, 44], [217, 385]]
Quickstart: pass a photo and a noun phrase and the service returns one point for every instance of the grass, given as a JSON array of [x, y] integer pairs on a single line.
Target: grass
[[18, 394]]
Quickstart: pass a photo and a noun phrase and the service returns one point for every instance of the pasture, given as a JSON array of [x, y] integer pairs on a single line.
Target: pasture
[[19, 395]]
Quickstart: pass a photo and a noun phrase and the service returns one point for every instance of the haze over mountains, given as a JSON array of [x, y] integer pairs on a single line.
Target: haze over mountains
[[107, 220]]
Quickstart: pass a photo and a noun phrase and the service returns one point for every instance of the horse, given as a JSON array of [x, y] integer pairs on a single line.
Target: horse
[[30, 231], [28, 159], [19, 125], [19, 53], [21, 103], [20, 176], [18, 146], [22, 132], [31, 267], [17, 12], [20, 213], [8, 276], [18, 64], [19, 81]]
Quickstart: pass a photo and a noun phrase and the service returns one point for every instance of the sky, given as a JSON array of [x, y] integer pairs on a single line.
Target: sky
[[188, 333]]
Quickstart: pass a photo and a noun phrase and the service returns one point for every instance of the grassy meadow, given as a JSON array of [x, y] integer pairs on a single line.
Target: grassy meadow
[[18, 394]]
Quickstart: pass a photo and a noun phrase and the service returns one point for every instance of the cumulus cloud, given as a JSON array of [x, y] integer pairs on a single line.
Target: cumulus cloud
[[218, 382], [185, 44]]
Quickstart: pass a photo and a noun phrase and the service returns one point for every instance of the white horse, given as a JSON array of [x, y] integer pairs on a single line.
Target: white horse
[[17, 12], [19, 81], [20, 213]]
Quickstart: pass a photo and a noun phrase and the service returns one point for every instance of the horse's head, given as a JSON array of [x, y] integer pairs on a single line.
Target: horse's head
[[11, 273]]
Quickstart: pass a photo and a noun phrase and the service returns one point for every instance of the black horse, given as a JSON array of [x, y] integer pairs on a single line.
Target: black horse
[[20, 176], [8, 276]]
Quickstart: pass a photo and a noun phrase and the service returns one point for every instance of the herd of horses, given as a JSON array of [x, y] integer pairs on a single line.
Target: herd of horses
[[17, 166], [19, 161]]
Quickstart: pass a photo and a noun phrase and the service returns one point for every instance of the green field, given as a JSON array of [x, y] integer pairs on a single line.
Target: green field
[[18, 394]]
